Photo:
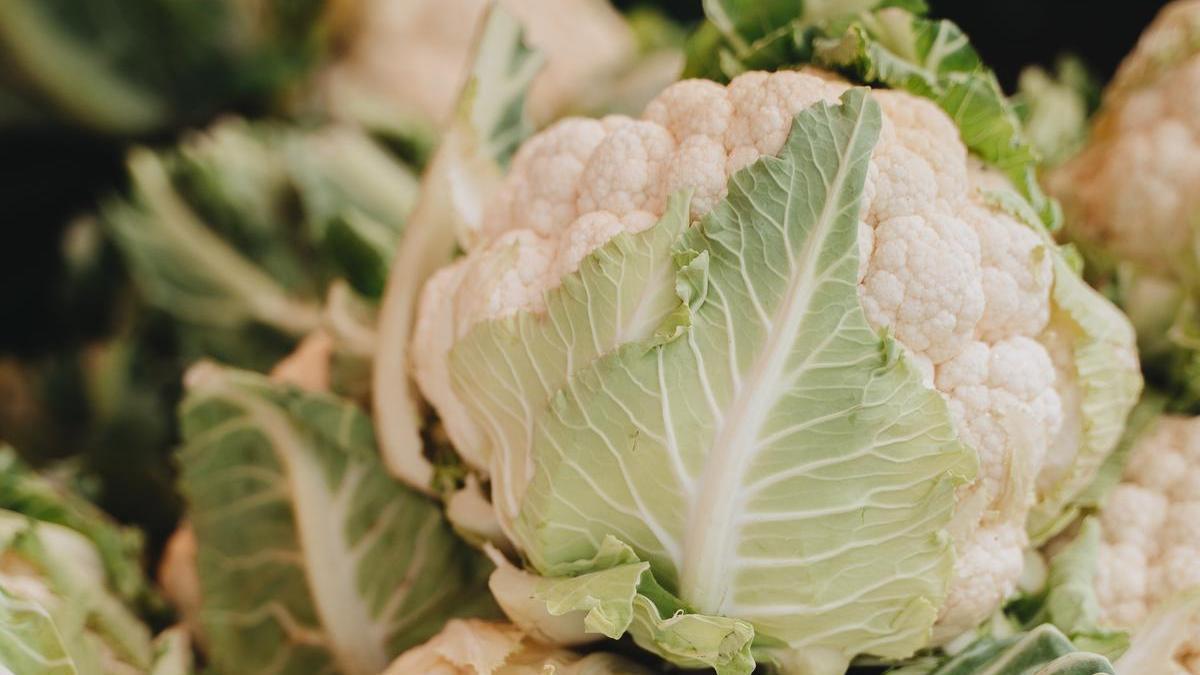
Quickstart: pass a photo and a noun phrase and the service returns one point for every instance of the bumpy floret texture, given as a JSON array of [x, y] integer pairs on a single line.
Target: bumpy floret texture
[[962, 286], [416, 51], [1150, 551], [1135, 189]]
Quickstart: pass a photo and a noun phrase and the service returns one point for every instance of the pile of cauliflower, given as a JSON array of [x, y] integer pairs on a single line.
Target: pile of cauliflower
[[963, 285]]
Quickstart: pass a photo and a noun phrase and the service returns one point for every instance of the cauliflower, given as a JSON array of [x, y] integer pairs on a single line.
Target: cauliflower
[[417, 52], [1133, 190], [962, 284], [477, 647], [1150, 549]]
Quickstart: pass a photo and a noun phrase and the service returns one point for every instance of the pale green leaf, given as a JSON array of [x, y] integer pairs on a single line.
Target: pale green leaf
[[311, 558]]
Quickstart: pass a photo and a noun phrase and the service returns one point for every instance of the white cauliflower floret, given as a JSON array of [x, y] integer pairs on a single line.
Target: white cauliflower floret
[[547, 167], [414, 53], [1016, 279], [960, 284], [1150, 524], [627, 172], [924, 282], [1135, 188]]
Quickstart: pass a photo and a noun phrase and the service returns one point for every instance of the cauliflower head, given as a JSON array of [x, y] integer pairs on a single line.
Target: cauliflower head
[[1133, 189], [964, 286], [417, 52], [1150, 548], [1131, 197]]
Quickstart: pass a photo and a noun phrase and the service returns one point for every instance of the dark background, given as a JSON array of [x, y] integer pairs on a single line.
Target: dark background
[[47, 176]]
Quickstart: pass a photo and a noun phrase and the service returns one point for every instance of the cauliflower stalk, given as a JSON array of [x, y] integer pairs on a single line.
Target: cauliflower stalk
[[779, 370], [1132, 200]]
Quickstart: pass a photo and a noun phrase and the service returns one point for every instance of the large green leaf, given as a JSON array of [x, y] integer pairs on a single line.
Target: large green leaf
[[720, 449], [311, 558]]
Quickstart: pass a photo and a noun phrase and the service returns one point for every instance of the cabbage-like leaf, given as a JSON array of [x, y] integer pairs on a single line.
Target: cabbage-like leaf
[[310, 557], [711, 450], [487, 127], [1042, 651]]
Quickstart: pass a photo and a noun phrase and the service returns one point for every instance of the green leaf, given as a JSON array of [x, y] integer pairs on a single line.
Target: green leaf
[[134, 67], [184, 266], [29, 640], [1042, 651], [1102, 345], [27, 493], [1140, 419], [504, 371], [356, 197], [60, 572], [713, 453], [622, 597], [310, 556]]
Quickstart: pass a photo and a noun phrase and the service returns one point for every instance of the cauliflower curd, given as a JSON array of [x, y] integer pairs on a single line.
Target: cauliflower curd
[[962, 285], [1150, 551], [1134, 188]]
